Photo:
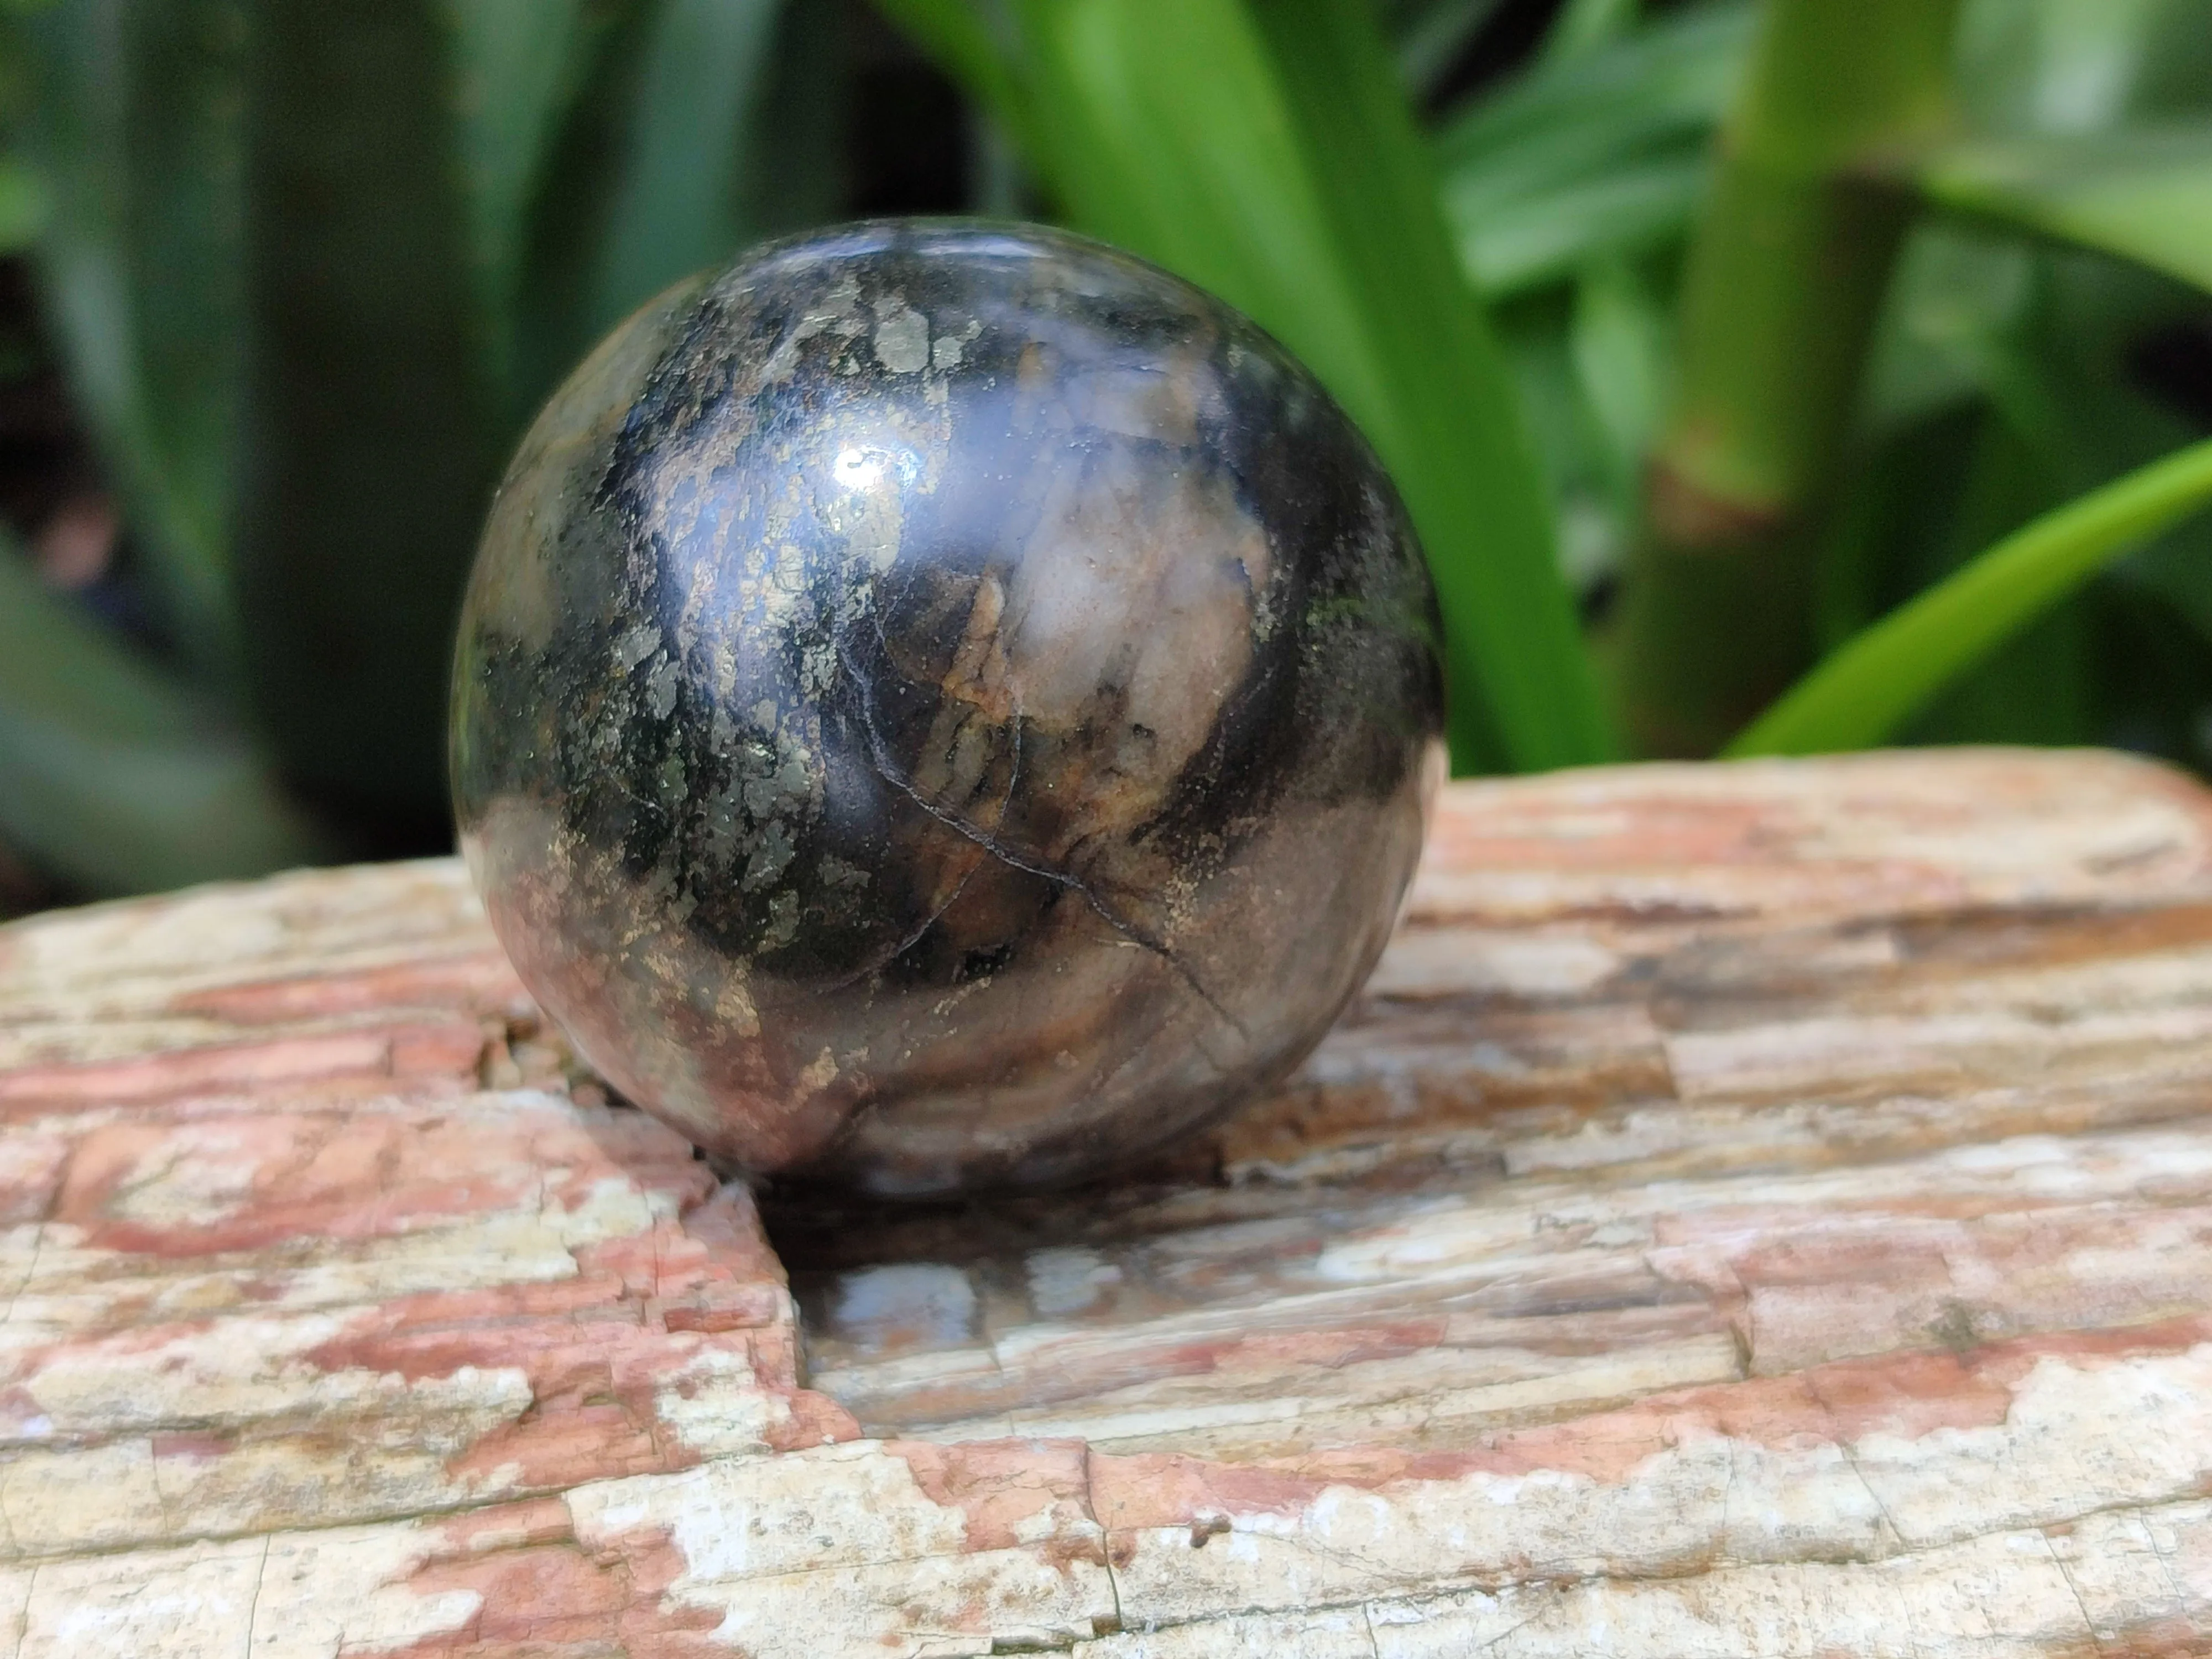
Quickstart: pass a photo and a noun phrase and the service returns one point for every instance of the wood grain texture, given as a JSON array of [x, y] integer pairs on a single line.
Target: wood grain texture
[[1762, 1210]]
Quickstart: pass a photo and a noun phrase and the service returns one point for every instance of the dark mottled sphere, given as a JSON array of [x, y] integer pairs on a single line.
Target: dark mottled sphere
[[943, 706]]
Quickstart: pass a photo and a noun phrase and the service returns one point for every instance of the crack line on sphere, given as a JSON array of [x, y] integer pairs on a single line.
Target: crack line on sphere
[[915, 936], [879, 758]]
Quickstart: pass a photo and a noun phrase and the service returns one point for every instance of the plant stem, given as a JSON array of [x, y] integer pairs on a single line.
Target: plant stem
[[1785, 273]]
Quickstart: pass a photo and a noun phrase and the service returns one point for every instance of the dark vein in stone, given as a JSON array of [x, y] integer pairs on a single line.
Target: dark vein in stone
[[878, 757], [913, 937]]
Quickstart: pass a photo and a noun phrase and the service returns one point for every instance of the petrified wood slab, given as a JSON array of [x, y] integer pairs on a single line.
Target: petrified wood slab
[[1763, 1210]]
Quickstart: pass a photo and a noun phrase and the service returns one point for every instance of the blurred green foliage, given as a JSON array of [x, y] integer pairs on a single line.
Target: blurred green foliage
[[308, 269]]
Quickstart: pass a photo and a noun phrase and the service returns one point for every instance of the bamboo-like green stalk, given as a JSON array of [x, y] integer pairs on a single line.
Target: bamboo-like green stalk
[[1786, 271]]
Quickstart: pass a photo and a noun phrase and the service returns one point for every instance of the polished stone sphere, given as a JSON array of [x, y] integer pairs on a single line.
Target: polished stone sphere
[[943, 706]]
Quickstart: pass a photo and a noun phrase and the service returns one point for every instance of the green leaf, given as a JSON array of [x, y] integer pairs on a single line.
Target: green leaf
[[1583, 25], [2145, 196], [1591, 152], [110, 776], [1268, 155], [136, 135], [22, 205], [371, 437], [1617, 342], [1668, 79], [1593, 515], [1511, 245], [1957, 286], [2079, 66], [517, 64], [681, 203], [1430, 37], [1206, 178], [1453, 434], [1860, 694]]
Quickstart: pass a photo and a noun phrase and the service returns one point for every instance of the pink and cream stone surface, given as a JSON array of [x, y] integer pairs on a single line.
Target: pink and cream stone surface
[[1763, 1210]]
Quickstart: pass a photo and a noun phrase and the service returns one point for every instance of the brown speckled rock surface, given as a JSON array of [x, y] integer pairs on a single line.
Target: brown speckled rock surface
[[1762, 1210], [943, 706]]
